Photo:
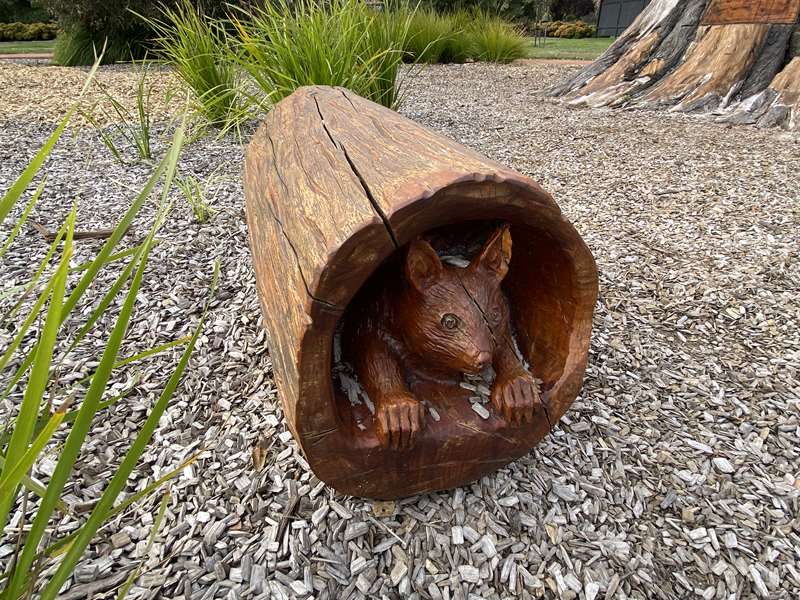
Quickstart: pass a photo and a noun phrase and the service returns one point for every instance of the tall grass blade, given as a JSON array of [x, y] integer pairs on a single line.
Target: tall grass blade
[[22, 219], [62, 545], [37, 383], [78, 432], [26, 324], [34, 486], [13, 475], [168, 165], [37, 274], [111, 259], [162, 509], [91, 401], [16, 190], [115, 486]]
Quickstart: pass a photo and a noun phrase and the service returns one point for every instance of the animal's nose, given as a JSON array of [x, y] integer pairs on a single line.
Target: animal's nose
[[484, 360]]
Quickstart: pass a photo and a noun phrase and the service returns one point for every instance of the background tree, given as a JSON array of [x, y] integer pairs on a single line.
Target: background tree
[[569, 10], [88, 24], [22, 11], [727, 58]]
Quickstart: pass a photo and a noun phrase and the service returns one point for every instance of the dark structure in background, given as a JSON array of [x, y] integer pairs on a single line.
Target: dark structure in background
[[615, 16]]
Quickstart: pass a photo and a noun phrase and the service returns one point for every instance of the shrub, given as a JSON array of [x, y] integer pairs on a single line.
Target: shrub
[[514, 10], [570, 9], [23, 11], [27, 32], [574, 29], [430, 36], [90, 22], [495, 40], [78, 47], [197, 47], [319, 42], [117, 16]]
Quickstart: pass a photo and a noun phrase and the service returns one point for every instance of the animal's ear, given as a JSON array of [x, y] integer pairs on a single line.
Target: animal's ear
[[495, 255], [423, 266]]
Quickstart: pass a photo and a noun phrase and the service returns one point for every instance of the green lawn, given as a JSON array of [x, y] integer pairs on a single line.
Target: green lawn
[[27, 47], [583, 49], [564, 48]]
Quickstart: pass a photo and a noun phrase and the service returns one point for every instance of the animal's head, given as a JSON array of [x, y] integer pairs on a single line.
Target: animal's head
[[453, 315]]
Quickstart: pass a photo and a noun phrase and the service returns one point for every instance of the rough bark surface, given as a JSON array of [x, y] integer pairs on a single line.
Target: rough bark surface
[[335, 185], [723, 57]]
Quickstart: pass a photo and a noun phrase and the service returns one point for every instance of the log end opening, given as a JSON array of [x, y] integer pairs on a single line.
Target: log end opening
[[551, 287]]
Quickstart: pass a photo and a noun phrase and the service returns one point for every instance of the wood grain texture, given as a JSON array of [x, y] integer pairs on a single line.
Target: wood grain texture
[[776, 106], [710, 56], [719, 59], [335, 185], [731, 12]]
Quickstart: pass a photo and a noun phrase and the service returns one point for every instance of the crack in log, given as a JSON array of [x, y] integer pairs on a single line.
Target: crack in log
[[367, 192], [319, 436], [286, 235], [473, 429], [346, 97], [511, 347], [324, 125]]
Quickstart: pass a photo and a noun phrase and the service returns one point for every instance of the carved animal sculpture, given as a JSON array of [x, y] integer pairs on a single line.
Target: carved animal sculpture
[[436, 320]]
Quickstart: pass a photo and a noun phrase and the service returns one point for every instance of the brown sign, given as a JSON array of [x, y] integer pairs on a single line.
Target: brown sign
[[728, 12]]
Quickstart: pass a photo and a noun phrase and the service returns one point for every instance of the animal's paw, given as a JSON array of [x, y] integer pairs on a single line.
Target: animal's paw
[[516, 397], [400, 418]]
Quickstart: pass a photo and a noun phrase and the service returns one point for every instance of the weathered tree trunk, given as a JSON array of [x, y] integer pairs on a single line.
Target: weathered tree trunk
[[335, 186], [716, 56]]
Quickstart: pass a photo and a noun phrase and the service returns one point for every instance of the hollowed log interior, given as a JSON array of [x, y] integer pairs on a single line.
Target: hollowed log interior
[[538, 287], [462, 445]]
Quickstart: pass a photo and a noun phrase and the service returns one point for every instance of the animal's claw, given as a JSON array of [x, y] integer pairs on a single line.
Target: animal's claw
[[400, 418], [516, 398]]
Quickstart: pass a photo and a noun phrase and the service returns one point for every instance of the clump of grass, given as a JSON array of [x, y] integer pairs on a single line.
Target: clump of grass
[[78, 47], [459, 36], [344, 43], [54, 297], [495, 40], [430, 36], [134, 127], [196, 195], [197, 46]]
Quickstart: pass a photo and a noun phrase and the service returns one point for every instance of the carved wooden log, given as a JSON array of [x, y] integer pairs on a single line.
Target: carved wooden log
[[714, 56], [335, 186]]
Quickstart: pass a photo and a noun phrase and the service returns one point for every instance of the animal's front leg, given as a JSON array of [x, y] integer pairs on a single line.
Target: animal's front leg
[[400, 416], [515, 395]]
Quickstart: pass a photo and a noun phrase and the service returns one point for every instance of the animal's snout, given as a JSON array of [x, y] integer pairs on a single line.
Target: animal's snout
[[483, 360]]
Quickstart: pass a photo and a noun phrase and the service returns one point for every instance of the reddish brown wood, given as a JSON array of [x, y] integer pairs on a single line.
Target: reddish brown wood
[[339, 193], [729, 12], [424, 320]]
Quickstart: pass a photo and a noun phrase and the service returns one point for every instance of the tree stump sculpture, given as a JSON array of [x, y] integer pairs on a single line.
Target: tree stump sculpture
[[397, 270], [727, 57]]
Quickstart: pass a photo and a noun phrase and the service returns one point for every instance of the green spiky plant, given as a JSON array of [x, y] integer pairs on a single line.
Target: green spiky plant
[[133, 126], [195, 192], [492, 39], [49, 409], [430, 37], [284, 46], [197, 47]]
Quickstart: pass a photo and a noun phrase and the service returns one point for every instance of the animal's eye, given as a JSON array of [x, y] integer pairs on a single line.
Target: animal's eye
[[450, 321], [495, 315]]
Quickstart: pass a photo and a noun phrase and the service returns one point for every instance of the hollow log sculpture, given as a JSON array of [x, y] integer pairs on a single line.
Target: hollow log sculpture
[[393, 265], [726, 57]]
